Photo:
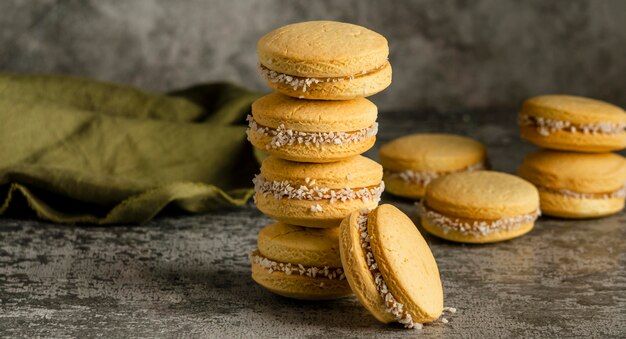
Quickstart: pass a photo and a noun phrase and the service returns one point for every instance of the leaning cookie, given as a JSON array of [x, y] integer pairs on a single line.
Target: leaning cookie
[[299, 262], [312, 130], [317, 195], [390, 267], [412, 162], [571, 123], [324, 60], [577, 185], [479, 207]]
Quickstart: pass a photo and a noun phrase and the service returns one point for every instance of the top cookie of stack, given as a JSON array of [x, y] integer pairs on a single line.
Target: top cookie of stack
[[324, 60]]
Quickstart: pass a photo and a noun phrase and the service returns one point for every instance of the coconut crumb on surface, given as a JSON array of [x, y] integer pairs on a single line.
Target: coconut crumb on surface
[[283, 189], [478, 227], [424, 178], [289, 269], [546, 126], [392, 305], [282, 136]]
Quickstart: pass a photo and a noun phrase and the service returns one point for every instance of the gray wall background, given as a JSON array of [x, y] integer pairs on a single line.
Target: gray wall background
[[447, 55]]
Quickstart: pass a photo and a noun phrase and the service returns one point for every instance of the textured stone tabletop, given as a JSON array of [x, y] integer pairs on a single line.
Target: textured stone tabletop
[[189, 275]]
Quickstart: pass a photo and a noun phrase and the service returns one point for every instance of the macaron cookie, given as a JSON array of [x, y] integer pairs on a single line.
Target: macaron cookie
[[390, 267], [299, 262], [317, 195], [312, 130], [479, 207], [571, 123], [577, 185], [411, 162], [324, 60]]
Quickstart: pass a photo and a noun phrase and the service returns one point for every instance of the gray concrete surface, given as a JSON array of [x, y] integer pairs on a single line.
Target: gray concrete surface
[[189, 276], [447, 55]]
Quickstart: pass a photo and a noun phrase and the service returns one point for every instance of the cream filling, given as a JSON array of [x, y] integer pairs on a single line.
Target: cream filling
[[289, 269], [424, 178], [546, 126], [282, 136], [301, 82], [477, 227], [391, 304], [620, 193], [283, 189]]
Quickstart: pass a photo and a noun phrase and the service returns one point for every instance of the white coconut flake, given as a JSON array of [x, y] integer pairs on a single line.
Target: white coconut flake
[[289, 269], [546, 126], [424, 178], [316, 208], [392, 305], [301, 83], [282, 136], [477, 227], [620, 193], [285, 190]]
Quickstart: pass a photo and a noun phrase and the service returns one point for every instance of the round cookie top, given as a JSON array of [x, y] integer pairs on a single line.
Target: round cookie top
[[574, 109], [484, 195], [356, 172], [314, 115], [579, 172], [322, 49], [300, 245], [432, 153], [406, 262]]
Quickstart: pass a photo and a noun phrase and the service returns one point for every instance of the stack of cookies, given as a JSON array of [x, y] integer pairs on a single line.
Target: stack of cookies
[[575, 173], [314, 130]]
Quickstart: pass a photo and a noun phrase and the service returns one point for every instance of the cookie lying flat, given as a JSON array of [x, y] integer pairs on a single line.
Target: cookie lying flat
[[577, 185], [317, 195], [324, 60], [412, 162], [312, 130], [299, 262], [390, 267], [571, 123], [479, 207]]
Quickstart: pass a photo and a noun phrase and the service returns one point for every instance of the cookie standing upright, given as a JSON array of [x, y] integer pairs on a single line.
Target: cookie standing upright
[[324, 60], [390, 267]]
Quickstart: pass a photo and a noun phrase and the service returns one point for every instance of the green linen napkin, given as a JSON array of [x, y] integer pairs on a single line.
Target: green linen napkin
[[81, 151]]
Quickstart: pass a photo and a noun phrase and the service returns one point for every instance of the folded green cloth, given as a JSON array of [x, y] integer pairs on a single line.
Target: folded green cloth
[[82, 151]]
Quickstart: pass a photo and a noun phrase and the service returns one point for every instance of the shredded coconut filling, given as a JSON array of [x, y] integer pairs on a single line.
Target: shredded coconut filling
[[283, 189], [477, 227], [620, 193], [300, 82], [424, 178], [547, 126], [289, 269], [282, 136], [392, 305]]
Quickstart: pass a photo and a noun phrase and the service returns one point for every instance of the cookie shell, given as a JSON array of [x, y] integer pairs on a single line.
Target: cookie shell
[[322, 49], [295, 244], [484, 195], [578, 172]]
